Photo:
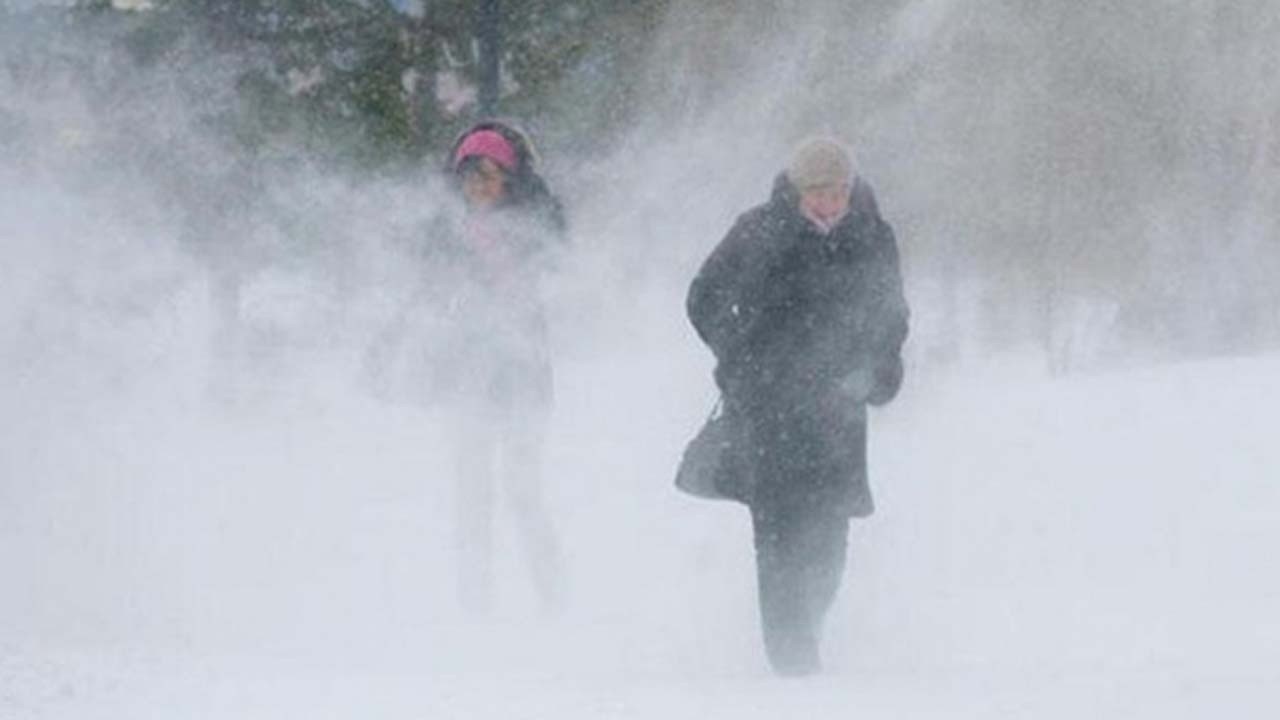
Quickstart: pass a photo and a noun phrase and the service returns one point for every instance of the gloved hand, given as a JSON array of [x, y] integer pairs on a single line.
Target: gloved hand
[[887, 381], [858, 384]]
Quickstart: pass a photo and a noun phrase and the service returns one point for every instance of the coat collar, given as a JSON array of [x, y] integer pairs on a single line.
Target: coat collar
[[785, 205]]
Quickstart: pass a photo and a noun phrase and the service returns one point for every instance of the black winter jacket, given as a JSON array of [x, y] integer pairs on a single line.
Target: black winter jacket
[[791, 313], [806, 328]]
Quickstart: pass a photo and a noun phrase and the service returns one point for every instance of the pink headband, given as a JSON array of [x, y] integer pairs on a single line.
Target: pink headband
[[488, 144]]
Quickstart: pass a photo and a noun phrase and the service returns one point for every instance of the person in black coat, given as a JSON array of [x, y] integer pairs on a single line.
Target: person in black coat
[[802, 305]]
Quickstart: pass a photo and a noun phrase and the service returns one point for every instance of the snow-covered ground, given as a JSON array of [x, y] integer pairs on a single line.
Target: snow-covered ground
[[1094, 546]]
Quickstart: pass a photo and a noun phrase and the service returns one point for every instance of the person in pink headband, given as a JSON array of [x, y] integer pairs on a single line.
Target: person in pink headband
[[486, 144], [494, 366], [483, 162]]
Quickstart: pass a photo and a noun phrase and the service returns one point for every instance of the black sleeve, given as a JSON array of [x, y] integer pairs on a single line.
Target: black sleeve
[[725, 298], [889, 321]]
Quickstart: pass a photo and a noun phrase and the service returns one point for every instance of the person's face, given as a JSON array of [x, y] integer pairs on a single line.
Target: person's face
[[483, 184], [827, 203]]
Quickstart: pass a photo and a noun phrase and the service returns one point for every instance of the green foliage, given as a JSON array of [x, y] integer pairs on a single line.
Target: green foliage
[[354, 82], [575, 66]]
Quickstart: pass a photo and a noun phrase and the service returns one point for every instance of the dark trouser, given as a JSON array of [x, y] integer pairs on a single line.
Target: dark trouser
[[808, 480], [800, 558]]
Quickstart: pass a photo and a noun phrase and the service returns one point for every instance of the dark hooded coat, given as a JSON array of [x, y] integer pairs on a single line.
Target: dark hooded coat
[[807, 328]]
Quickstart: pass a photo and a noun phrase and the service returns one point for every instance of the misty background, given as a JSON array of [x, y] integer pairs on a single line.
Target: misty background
[[208, 211], [1094, 182]]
